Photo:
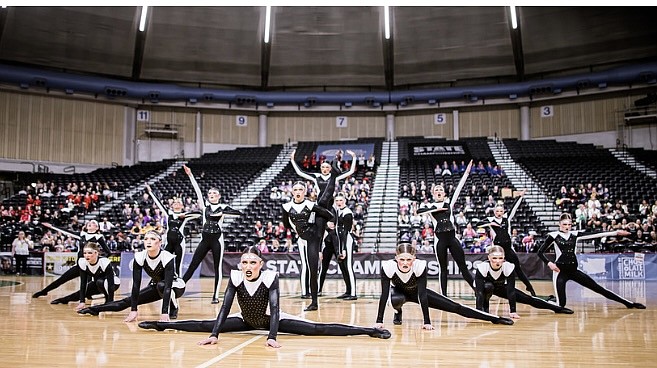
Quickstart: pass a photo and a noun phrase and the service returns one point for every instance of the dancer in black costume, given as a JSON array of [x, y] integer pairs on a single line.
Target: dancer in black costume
[[445, 231], [175, 226], [500, 225], [212, 238], [96, 277], [90, 233], [298, 214], [258, 296], [165, 284], [497, 277], [564, 267], [340, 242], [408, 277]]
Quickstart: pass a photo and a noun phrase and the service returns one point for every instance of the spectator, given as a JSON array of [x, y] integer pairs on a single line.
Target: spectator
[[528, 241]]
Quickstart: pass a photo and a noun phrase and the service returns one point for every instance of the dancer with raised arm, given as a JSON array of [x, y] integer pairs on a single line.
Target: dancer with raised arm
[[564, 267], [175, 226], [404, 279], [212, 237], [500, 226], [497, 277], [159, 265], [96, 277], [258, 295], [339, 242], [297, 215], [90, 233], [442, 218]]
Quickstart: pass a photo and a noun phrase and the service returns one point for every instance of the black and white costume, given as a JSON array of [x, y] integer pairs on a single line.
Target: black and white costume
[[175, 227], [444, 228], [325, 184], [95, 279], [501, 282], [164, 284], [301, 217], [336, 242], [259, 310], [501, 229], [212, 238], [412, 287], [74, 272], [565, 247]]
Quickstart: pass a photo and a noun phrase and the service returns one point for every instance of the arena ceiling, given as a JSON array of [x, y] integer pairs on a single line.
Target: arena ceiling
[[328, 48]]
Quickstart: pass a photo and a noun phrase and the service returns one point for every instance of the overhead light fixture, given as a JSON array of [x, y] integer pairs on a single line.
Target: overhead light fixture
[[386, 21], [142, 21], [514, 19], [267, 22]]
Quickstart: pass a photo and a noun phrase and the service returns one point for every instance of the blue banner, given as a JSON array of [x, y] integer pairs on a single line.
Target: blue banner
[[329, 150]]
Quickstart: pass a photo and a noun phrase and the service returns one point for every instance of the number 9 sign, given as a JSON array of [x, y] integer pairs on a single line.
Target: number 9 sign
[[241, 121]]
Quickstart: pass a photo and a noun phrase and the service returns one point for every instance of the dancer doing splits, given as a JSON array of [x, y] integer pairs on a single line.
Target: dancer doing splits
[[258, 296], [165, 284], [564, 267], [497, 277], [96, 277], [175, 226], [90, 233], [500, 226], [408, 277], [212, 237], [340, 242], [445, 231], [298, 214]]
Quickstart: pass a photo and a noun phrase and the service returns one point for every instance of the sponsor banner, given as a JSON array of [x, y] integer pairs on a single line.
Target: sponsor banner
[[329, 150], [368, 265], [436, 150], [622, 266], [56, 263]]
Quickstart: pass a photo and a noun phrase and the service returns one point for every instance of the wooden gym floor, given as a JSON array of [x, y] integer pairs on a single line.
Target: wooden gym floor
[[601, 333]]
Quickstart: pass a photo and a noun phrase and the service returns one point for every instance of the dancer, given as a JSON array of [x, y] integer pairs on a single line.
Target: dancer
[[96, 277], [258, 294], [301, 215], [165, 284], [500, 226], [89, 233], [445, 231], [340, 242], [212, 237], [175, 226], [497, 277], [408, 277], [564, 267]]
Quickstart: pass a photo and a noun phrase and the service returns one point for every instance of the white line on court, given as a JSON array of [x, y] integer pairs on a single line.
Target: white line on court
[[229, 352]]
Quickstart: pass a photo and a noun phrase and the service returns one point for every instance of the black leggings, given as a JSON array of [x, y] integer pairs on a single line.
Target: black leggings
[[511, 256], [310, 264], [214, 243], [21, 263], [93, 288], [149, 294], [174, 245], [327, 255], [484, 292], [437, 301], [447, 240], [570, 272], [70, 274], [292, 326]]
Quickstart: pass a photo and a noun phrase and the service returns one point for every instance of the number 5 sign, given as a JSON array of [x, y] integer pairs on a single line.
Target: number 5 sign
[[241, 121], [341, 122], [439, 119]]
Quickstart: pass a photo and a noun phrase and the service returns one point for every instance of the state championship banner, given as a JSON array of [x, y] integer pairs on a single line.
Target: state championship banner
[[368, 265]]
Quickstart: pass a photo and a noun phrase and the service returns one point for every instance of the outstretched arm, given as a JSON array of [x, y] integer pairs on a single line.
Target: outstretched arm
[[61, 231], [459, 187], [274, 310], [298, 169], [424, 299], [197, 189], [157, 201], [352, 169], [383, 299], [514, 208]]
